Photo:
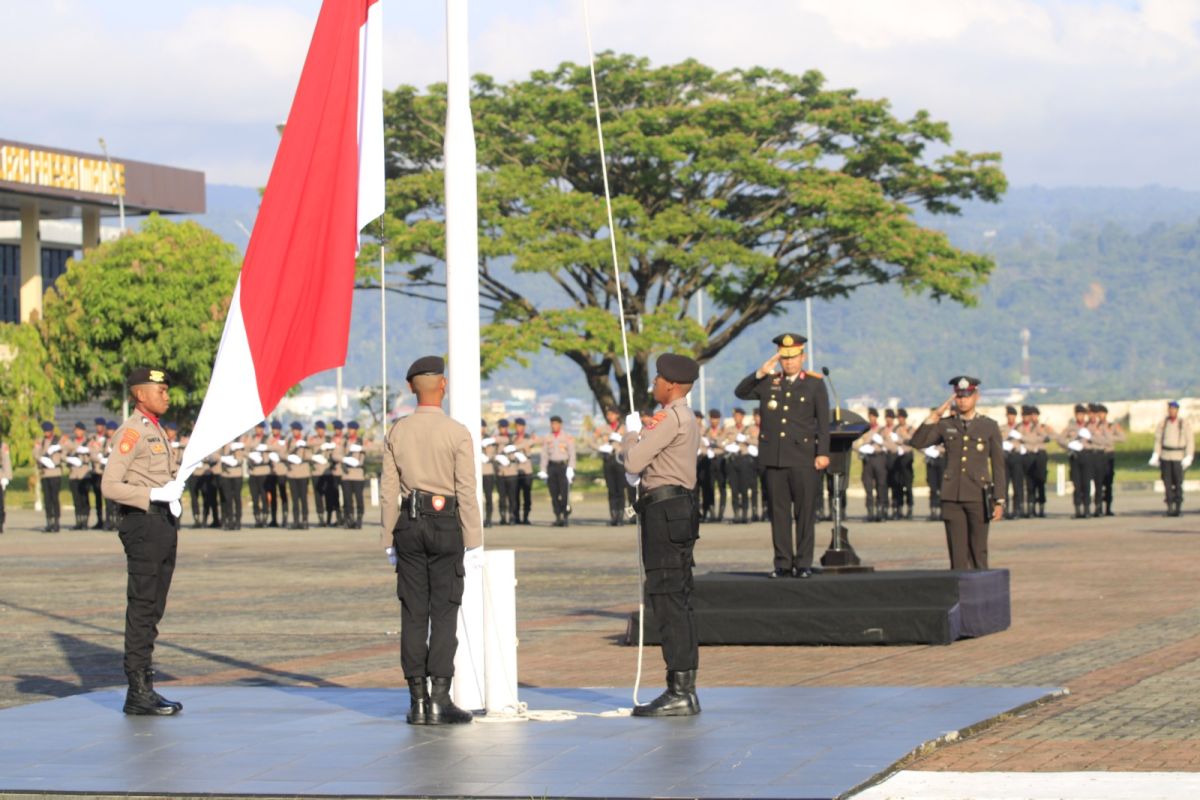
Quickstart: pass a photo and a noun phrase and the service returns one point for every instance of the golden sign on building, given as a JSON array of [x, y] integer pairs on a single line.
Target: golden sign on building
[[61, 171]]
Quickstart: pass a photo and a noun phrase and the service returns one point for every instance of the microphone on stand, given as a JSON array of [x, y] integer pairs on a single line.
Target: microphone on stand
[[837, 404]]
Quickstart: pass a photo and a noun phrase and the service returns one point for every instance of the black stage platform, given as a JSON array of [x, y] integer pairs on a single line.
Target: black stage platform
[[900, 607], [278, 742]]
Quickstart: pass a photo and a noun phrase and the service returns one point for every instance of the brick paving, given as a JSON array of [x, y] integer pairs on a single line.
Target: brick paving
[[1107, 608]]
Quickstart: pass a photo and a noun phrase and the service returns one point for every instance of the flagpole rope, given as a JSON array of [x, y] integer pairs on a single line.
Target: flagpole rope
[[612, 238]]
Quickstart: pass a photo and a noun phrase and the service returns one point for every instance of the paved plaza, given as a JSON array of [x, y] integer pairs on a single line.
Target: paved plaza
[[1107, 608]]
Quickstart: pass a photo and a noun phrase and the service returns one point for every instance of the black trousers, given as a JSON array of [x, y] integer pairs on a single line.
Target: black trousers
[[209, 493], [258, 496], [902, 488], [277, 488], [320, 492], [352, 498], [231, 500], [669, 531], [333, 496], [794, 495], [614, 481], [762, 482], [510, 498], [1014, 491], [299, 491], [704, 485], [559, 487], [935, 469], [150, 541], [97, 497], [1036, 465], [525, 491], [874, 478], [1081, 478], [720, 480], [51, 487], [1172, 478], [3, 515], [193, 489], [81, 497], [429, 585], [1109, 465], [741, 481], [489, 489], [966, 534]]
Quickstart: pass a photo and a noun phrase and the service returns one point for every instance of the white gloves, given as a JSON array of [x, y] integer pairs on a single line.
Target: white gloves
[[328, 446], [614, 437], [104, 460], [74, 462], [255, 456], [877, 439], [295, 459], [1007, 445], [704, 442], [351, 461], [1186, 462], [235, 446], [356, 448], [633, 478], [710, 453], [169, 493], [486, 442], [867, 449], [483, 458], [391, 555], [320, 459], [274, 457], [570, 474], [47, 462], [510, 449], [52, 449], [900, 450], [229, 461], [895, 436], [521, 459], [1084, 433], [473, 558], [1022, 451], [502, 460], [262, 448], [932, 452], [732, 448], [1154, 459], [740, 438], [543, 475], [1014, 434], [1076, 446], [752, 450], [605, 448], [82, 450], [3, 484], [175, 445], [633, 422]]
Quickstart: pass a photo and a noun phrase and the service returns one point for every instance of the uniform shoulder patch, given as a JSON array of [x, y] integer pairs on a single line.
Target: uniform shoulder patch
[[128, 440], [659, 417]]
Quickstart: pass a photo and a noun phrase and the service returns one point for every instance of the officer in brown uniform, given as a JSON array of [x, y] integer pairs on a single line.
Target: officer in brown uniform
[[277, 452], [47, 457], [299, 472], [98, 455], [1114, 434], [1076, 438], [354, 476], [664, 456], [970, 499], [507, 472], [525, 443], [605, 441], [430, 514], [140, 476], [233, 456], [558, 469], [1035, 436], [487, 470], [1174, 449], [77, 456], [6, 474], [260, 473]]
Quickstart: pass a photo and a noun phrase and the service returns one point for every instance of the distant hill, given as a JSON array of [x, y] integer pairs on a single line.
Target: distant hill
[[1106, 280]]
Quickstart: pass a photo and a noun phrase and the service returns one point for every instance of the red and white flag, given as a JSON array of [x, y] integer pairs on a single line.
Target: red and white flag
[[290, 316]]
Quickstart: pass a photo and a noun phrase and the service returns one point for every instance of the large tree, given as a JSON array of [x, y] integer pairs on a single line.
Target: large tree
[[26, 391], [755, 186], [157, 297]]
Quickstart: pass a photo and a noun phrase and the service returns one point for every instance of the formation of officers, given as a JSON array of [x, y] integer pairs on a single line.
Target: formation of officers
[[281, 471]]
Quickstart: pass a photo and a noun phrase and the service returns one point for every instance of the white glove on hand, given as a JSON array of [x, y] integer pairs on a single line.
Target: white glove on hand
[[1076, 446], [168, 493], [229, 461], [104, 460], [255, 456], [740, 438], [877, 439], [262, 448], [391, 555], [351, 461], [1084, 433], [521, 459], [1014, 434], [273, 457], [235, 446], [570, 474], [175, 445], [895, 436], [1022, 451], [320, 459], [543, 475], [486, 442], [633, 422], [900, 450], [1007, 445], [295, 459], [932, 452], [328, 446], [52, 449], [1154, 459], [633, 478], [615, 437], [3, 484], [483, 458], [473, 558], [752, 450], [74, 462], [732, 448], [867, 449], [47, 462], [1186, 462], [710, 453], [356, 448], [510, 449], [704, 442], [605, 448], [82, 450], [502, 460]]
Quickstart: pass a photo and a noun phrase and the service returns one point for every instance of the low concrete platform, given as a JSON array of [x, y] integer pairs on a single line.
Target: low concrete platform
[[810, 742]]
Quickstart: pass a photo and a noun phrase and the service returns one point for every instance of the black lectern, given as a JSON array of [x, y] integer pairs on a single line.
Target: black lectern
[[844, 429]]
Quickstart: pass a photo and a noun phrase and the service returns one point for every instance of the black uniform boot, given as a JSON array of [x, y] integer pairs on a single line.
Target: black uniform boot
[[418, 701], [870, 511], [1108, 512], [679, 700], [158, 698], [908, 511], [1041, 509], [442, 710], [140, 699]]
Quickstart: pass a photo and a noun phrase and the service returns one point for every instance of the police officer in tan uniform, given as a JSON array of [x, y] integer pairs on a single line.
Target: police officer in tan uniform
[[77, 456], [6, 475], [1114, 434], [299, 472], [98, 455], [525, 443], [739, 464], [1174, 449], [605, 441], [507, 473], [277, 486], [233, 456], [1035, 436], [558, 469], [140, 476], [430, 515], [487, 469], [972, 443], [662, 457], [47, 457], [260, 472], [354, 476]]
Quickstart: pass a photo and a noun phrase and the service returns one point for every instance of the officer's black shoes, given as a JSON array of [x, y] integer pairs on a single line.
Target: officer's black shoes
[[780, 573], [418, 702], [158, 698], [441, 709], [679, 700], [802, 572], [142, 700]]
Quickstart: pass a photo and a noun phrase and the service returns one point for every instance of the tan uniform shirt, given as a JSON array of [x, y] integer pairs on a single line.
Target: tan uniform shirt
[[525, 445], [429, 451], [71, 450], [558, 448], [336, 455], [319, 446], [257, 448], [98, 449], [277, 445], [302, 450], [237, 454], [602, 438], [1013, 438], [1174, 441], [1114, 434], [748, 435], [355, 450], [51, 449], [488, 447], [664, 452], [141, 460], [5, 462], [1035, 437], [1071, 434], [506, 448]]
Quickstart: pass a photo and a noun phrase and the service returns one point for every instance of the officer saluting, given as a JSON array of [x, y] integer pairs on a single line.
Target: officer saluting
[[429, 514], [664, 455], [140, 477], [972, 442]]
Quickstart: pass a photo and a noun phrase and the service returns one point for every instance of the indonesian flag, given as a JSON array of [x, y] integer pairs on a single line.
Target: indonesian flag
[[290, 315]]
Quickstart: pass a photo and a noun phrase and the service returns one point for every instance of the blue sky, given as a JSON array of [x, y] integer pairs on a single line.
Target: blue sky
[[1072, 92]]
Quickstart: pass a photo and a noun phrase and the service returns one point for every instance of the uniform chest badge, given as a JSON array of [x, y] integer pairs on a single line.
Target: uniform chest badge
[[157, 448], [438, 502]]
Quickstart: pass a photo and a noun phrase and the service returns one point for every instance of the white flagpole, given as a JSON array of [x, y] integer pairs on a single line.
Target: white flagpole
[[383, 404], [462, 318]]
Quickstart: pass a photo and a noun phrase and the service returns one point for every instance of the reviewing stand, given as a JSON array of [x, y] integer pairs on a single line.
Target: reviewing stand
[[844, 430]]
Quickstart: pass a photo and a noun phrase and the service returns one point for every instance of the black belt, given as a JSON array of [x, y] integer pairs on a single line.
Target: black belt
[[155, 507], [420, 503], [659, 494], [1173, 448]]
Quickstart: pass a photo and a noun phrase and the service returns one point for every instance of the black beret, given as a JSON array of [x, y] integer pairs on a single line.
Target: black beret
[[889, 413], [1103, 409], [697, 414], [338, 425], [503, 423], [902, 412], [319, 424], [1010, 409], [1080, 408], [519, 421], [112, 423], [352, 425], [872, 412], [556, 418], [738, 410], [47, 426], [1026, 410], [171, 426], [100, 421], [715, 413], [426, 365], [677, 369], [143, 375], [1092, 407], [296, 426], [79, 426], [1035, 410], [276, 425]]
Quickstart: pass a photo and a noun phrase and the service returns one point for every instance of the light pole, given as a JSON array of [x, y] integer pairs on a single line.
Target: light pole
[[112, 176]]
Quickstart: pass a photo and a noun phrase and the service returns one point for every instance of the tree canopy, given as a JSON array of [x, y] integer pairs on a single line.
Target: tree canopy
[[755, 186], [26, 392], [157, 297]]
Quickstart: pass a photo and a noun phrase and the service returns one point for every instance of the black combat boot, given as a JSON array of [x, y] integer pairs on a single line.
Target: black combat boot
[[679, 700], [1108, 512], [870, 511], [140, 699], [442, 710], [158, 698], [1041, 509], [418, 701], [908, 511], [1097, 511]]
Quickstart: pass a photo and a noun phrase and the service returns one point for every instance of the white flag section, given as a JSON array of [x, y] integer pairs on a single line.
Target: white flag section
[[290, 313]]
